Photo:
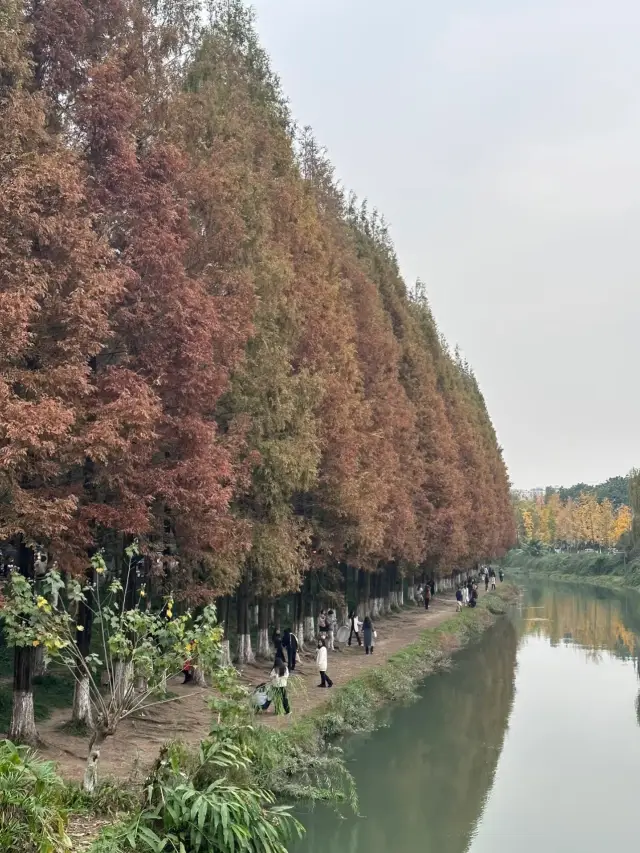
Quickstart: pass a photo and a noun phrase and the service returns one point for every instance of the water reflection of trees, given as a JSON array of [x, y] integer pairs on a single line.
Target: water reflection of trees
[[596, 620], [424, 779]]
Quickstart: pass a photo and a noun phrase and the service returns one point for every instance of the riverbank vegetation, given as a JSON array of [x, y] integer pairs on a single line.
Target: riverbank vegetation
[[607, 569], [241, 769]]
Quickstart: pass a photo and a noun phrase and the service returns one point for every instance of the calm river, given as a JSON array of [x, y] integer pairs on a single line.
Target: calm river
[[530, 744]]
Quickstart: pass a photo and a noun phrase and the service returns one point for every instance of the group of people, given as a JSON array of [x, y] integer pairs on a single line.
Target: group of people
[[287, 643], [364, 628], [364, 633], [467, 594], [426, 592]]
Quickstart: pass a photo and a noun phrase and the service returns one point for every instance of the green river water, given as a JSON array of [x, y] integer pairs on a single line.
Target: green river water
[[531, 744]]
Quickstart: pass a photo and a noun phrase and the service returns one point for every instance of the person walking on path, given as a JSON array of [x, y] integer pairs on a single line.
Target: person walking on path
[[290, 643], [432, 587], [465, 595], [321, 661], [322, 624], [355, 628], [486, 582], [474, 596], [427, 596], [493, 579], [369, 634], [279, 679], [332, 622], [458, 599], [501, 575]]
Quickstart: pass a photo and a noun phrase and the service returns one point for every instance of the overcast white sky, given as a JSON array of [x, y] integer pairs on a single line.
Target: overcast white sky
[[501, 139]]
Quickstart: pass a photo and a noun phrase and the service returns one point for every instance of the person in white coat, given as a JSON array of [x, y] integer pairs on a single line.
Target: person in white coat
[[321, 662]]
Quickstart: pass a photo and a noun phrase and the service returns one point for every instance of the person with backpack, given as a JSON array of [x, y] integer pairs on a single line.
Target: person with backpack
[[321, 663]]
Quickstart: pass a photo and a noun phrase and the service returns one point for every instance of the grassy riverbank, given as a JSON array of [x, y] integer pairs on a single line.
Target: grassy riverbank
[[299, 762], [353, 707], [610, 570]]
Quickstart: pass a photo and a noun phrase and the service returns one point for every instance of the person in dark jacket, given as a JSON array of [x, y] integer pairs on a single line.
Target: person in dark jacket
[[277, 642], [432, 585], [427, 596], [290, 643], [367, 633]]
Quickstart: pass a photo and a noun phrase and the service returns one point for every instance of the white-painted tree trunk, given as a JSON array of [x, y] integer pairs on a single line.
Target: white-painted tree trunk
[[40, 662], [386, 605], [23, 722], [309, 629], [225, 653], [122, 679], [375, 610], [393, 599], [299, 632], [411, 594], [245, 652], [254, 615], [263, 649], [401, 596], [82, 710], [90, 780], [198, 677]]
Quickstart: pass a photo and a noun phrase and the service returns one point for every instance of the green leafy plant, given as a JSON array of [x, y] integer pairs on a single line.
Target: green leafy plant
[[33, 816], [140, 647]]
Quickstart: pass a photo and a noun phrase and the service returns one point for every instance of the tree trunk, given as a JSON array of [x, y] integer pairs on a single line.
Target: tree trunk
[[223, 608], [122, 680], [386, 598], [23, 721], [298, 619], [264, 646], [39, 663], [198, 677], [244, 654], [308, 631], [90, 780], [411, 589], [82, 708]]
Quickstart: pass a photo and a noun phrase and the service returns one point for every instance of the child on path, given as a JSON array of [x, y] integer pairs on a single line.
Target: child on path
[[427, 596], [459, 599], [321, 661]]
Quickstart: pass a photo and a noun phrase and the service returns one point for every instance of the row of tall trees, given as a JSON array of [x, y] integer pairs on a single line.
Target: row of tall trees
[[572, 524], [205, 344]]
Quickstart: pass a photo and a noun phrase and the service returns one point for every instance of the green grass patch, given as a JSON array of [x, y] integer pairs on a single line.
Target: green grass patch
[[610, 570]]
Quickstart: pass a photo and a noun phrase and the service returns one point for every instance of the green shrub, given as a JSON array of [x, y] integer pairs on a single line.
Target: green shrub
[[33, 816]]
